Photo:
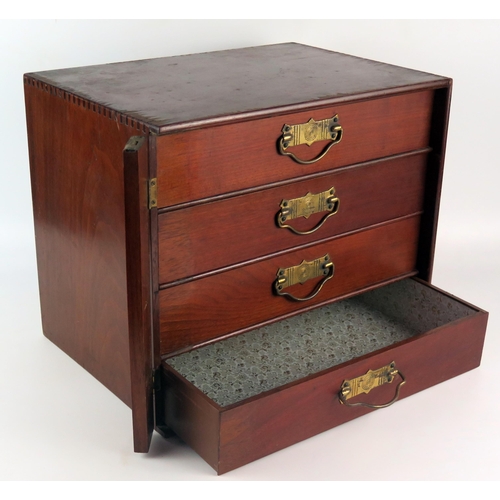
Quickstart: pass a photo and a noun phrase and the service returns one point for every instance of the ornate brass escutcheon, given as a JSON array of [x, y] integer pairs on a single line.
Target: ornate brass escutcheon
[[303, 272], [305, 207], [309, 133], [365, 383]]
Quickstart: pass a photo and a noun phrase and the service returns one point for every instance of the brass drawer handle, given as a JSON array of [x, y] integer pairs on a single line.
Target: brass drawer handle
[[303, 272], [371, 379], [308, 133], [306, 206]]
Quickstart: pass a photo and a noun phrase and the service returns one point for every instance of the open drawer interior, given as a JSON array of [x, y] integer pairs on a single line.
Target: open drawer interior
[[240, 367], [408, 322]]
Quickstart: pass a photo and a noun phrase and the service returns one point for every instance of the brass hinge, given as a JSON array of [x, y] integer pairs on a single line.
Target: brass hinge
[[156, 380], [153, 193]]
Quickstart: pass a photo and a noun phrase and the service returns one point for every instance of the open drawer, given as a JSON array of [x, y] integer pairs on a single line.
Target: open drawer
[[244, 397]]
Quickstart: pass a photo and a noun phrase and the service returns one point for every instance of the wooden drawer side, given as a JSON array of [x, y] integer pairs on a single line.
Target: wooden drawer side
[[430, 336], [192, 416]]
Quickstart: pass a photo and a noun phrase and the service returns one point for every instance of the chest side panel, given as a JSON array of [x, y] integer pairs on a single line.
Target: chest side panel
[[76, 165]]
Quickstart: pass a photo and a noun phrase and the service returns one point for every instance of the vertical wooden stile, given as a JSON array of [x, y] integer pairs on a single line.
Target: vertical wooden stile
[[137, 229]]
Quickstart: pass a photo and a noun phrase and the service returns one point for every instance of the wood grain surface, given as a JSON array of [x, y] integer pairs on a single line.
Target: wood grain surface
[[212, 161], [193, 416], [76, 161], [266, 423], [169, 93], [139, 292], [213, 235], [122, 286], [229, 301]]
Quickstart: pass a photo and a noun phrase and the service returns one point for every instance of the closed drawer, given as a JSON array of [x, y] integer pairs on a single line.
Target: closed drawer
[[211, 161], [202, 309], [248, 396], [222, 233]]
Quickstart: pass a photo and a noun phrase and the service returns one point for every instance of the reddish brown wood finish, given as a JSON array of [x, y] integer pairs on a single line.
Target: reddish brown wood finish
[[279, 418], [433, 182], [211, 307], [212, 161], [194, 417], [76, 165], [268, 424], [220, 175], [190, 91], [139, 293], [159, 400], [209, 236]]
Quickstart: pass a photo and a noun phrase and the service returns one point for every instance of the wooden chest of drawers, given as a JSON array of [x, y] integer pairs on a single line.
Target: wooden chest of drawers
[[239, 244]]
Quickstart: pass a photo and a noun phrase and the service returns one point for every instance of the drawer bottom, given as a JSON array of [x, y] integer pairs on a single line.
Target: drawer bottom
[[242, 398]]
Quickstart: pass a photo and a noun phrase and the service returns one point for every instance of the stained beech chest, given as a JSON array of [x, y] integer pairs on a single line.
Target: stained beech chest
[[239, 244]]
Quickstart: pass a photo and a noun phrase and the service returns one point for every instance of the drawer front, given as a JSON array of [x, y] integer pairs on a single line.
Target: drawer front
[[266, 425], [210, 307], [418, 334], [212, 161], [222, 233]]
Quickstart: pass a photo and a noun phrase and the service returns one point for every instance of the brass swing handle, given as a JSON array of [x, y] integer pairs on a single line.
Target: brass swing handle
[[305, 207], [371, 379], [303, 272], [308, 133]]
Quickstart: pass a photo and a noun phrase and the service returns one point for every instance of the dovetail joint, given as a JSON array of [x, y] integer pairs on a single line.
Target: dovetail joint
[[85, 104]]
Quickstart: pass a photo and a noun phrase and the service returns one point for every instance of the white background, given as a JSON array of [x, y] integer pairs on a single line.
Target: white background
[[57, 422]]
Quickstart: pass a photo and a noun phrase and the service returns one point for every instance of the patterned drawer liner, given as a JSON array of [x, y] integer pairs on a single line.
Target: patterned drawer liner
[[237, 368]]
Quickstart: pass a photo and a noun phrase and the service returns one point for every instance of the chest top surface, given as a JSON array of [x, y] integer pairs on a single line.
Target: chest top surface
[[208, 88]]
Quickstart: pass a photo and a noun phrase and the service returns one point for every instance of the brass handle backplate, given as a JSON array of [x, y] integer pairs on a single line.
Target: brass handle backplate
[[365, 383], [305, 207], [303, 272], [309, 133]]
